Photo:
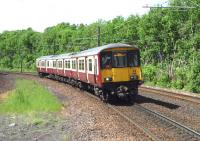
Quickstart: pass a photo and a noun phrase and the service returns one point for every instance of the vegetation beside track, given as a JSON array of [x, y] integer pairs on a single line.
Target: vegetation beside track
[[17, 70], [29, 97]]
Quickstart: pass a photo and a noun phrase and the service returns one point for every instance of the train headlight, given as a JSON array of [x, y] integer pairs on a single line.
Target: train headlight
[[108, 79], [134, 77]]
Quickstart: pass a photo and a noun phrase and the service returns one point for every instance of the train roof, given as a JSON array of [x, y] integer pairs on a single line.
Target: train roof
[[88, 52], [45, 57], [54, 57], [96, 50], [61, 56]]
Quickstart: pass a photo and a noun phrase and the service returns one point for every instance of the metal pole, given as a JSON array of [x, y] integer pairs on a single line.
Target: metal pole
[[98, 37]]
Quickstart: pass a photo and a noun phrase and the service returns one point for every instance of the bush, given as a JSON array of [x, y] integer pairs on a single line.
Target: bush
[[194, 81], [163, 80], [178, 84], [180, 78], [149, 72]]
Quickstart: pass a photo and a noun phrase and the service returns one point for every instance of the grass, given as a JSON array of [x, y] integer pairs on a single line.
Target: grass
[[16, 70], [29, 96]]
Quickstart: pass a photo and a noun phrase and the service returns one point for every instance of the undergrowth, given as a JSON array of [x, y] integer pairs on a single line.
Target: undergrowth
[[29, 96]]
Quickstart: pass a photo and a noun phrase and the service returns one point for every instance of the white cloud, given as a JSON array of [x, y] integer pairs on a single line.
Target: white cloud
[[39, 14]]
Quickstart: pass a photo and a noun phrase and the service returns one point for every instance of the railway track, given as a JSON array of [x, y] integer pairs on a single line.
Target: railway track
[[183, 131], [130, 120], [22, 73], [173, 94]]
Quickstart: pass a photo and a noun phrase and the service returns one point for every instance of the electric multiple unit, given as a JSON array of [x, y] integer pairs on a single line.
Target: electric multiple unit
[[110, 70]]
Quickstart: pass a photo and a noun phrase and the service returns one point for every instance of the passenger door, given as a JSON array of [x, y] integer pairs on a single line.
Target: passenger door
[[90, 70], [95, 69]]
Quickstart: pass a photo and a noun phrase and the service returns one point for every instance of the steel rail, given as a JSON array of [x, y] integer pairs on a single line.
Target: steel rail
[[22, 73], [173, 94], [172, 122], [143, 129]]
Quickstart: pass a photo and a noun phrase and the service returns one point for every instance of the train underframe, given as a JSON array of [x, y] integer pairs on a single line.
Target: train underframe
[[108, 91], [122, 90]]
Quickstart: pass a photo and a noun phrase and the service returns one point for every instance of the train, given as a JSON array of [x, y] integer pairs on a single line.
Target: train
[[107, 71]]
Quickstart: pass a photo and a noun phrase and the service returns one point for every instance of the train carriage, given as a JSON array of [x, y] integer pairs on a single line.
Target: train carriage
[[43, 64], [110, 70]]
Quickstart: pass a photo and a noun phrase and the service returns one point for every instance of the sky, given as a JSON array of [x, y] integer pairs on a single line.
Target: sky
[[40, 14]]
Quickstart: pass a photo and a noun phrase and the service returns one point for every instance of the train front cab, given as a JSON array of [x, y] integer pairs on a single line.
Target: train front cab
[[120, 72]]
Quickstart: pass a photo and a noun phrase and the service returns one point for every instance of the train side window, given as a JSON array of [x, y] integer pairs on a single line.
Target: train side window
[[43, 63], [60, 63], [79, 65], [83, 65], [47, 63], [65, 64], [54, 64], [73, 64], [69, 64], [106, 60], [90, 64]]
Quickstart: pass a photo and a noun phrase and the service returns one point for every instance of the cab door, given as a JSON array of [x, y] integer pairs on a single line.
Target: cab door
[[91, 70]]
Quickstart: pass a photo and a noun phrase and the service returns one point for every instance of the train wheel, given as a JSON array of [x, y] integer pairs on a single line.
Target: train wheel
[[105, 97], [41, 75], [80, 86]]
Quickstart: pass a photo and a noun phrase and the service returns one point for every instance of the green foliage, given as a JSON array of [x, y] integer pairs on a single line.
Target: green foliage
[[169, 42], [194, 83], [178, 84], [29, 96], [163, 80], [179, 78], [149, 72]]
